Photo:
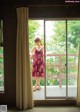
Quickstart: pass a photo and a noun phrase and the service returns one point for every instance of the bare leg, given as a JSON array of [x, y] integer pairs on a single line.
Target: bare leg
[[34, 89], [38, 83]]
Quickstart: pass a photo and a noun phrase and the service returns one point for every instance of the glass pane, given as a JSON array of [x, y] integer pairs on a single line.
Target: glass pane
[[73, 42], [55, 58], [1, 58], [36, 29]]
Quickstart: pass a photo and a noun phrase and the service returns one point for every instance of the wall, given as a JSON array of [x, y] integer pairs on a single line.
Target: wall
[[54, 11], [9, 28]]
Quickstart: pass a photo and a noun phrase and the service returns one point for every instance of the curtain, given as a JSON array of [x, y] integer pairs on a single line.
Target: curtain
[[24, 96], [78, 80]]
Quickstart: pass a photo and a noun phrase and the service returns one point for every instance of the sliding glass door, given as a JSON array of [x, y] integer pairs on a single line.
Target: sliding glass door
[[73, 39], [61, 39], [55, 49]]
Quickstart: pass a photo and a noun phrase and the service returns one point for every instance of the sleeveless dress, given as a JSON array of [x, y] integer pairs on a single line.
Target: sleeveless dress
[[38, 63]]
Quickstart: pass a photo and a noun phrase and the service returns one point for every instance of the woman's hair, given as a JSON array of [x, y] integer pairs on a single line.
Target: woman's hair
[[37, 39]]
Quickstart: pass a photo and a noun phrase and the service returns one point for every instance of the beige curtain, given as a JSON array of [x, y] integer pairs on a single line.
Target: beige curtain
[[24, 97], [78, 81]]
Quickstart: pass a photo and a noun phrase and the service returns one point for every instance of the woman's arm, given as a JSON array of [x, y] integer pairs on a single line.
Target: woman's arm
[[32, 52]]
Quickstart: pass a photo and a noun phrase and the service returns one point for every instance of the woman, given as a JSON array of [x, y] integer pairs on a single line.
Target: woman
[[38, 62]]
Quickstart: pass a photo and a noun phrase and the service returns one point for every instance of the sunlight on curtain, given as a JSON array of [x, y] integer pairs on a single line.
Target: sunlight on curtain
[[78, 84], [24, 97]]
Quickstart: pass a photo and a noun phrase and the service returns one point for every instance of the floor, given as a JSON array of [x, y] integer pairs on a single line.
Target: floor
[[54, 91], [49, 109]]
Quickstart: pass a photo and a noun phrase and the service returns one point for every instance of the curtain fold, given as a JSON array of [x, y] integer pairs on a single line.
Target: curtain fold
[[24, 96], [78, 80]]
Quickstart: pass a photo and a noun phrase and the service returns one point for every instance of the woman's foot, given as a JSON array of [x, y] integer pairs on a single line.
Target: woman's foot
[[38, 87], [34, 89]]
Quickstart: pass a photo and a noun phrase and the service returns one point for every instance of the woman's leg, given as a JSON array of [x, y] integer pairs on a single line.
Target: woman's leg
[[38, 83], [35, 87]]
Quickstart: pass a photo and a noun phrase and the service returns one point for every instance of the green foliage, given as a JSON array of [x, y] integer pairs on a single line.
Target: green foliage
[[1, 32], [1, 50], [1, 71], [1, 83], [55, 82], [70, 82], [57, 45], [73, 34], [52, 59], [42, 82], [1, 60], [1, 68], [51, 70], [58, 39], [34, 82], [33, 31]]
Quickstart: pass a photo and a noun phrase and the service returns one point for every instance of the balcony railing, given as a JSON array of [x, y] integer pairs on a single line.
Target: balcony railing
[[60, 66]]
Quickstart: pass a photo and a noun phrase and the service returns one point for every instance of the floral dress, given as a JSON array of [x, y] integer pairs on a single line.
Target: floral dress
[[38, 63]]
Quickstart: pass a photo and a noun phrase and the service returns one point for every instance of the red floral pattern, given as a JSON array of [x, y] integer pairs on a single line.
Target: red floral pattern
[[38, 64]]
